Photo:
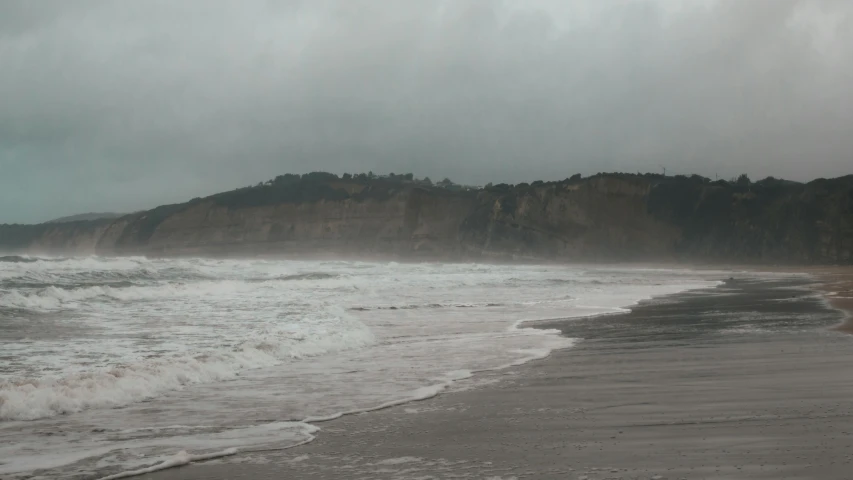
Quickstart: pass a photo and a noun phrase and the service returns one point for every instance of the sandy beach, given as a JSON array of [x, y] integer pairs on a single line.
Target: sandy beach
[[748, 380]]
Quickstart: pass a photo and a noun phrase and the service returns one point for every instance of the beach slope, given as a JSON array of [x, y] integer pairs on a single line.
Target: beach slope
[[743, 381]]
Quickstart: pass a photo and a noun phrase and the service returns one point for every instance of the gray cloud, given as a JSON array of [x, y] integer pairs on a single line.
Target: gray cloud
[[124, 105]]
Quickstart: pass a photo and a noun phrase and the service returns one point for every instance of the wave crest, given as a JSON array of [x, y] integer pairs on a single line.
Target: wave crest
[[33, 398]]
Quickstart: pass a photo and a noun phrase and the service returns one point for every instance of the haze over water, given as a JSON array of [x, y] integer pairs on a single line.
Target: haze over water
[[116, 364]]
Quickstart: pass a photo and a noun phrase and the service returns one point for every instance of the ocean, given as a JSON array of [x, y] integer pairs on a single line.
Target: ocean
[[114, 366]]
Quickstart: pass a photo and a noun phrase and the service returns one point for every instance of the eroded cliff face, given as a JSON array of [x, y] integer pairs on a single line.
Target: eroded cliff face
[[603, 218], [407, 221], [401, 221]]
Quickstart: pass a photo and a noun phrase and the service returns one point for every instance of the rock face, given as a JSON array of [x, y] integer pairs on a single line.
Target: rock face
[[608, 217]]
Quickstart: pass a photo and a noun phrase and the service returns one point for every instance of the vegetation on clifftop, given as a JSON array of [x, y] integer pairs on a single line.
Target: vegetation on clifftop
[[324, 186]]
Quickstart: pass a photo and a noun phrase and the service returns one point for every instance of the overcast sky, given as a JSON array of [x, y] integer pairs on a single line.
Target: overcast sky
[[117, 106]]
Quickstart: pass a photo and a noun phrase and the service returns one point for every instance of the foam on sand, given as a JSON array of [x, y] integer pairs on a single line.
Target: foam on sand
[[180, 459]]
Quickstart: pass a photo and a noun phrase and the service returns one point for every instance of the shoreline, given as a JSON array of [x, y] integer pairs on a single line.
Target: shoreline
[[839, 293], [183, 459], [836, 286], [465, 422], [552, 341], [428, 392], [832, 285]]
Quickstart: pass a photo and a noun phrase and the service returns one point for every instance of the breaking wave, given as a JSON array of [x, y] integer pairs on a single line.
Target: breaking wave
[[55, 298], [33, 398]]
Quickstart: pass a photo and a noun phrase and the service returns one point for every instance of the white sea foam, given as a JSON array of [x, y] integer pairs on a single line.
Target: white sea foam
[[180, 459], [55, 298], [296, 342], [139, 455], [29, 399]]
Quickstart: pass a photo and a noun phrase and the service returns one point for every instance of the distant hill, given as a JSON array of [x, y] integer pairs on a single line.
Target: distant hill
[[605, 217], [86, 217]]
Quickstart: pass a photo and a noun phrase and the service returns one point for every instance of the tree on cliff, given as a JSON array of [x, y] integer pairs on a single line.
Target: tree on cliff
[[318, 177], [287, 178]]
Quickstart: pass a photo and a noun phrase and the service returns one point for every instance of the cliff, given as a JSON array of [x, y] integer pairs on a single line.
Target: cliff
[[612, 217]]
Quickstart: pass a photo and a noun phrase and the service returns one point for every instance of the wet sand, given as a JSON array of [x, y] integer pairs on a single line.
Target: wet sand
[[838, 288], [835, 282], [745, 381]]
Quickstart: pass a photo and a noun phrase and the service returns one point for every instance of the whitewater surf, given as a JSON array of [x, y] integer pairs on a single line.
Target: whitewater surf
[[119, 365]]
